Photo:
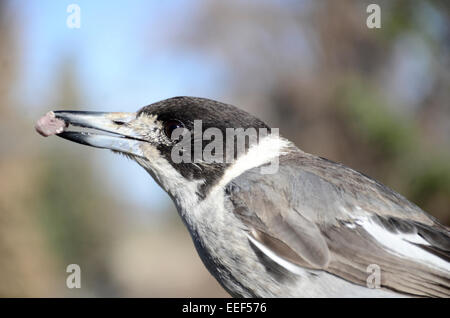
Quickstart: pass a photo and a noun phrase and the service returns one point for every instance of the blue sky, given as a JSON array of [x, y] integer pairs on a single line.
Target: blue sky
[[124, 60]]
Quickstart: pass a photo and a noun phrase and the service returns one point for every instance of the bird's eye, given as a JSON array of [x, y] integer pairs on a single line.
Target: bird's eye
[[170, 126]]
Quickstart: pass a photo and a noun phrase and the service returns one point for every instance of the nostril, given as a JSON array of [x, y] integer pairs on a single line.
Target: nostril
[[119, 123]]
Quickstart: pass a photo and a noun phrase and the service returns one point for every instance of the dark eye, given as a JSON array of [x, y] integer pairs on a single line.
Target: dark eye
[[171, 125]]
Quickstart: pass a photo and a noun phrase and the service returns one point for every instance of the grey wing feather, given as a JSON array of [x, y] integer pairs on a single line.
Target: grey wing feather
[[301, 214], [295, 237]]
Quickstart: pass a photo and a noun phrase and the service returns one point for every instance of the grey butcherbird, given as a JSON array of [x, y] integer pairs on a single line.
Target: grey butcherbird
[[314, 228]]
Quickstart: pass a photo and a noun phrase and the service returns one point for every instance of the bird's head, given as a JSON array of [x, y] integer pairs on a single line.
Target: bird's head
[[183, 142]]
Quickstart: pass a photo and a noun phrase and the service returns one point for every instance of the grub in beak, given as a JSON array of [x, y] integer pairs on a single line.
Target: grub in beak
[[98, 129], [50, 125]]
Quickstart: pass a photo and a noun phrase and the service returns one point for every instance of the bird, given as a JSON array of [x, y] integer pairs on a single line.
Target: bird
[[305, 227]]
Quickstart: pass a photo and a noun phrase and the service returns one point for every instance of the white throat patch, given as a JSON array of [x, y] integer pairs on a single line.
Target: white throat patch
[[183, 191], [267, 150]]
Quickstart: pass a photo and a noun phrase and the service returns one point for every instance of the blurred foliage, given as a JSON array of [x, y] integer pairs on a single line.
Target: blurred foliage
[[424, 179], [391, 133]]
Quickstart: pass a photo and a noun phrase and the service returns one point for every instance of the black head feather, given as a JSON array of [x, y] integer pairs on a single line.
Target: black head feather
[[213, 114]]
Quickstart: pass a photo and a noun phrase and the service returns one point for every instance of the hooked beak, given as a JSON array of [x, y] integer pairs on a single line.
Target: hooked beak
[[107, 130]]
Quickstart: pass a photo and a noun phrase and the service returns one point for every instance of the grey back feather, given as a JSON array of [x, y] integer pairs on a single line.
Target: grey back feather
[[301, 213]]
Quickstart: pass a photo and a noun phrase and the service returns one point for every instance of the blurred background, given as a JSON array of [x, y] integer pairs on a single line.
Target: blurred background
[[377, 100]]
